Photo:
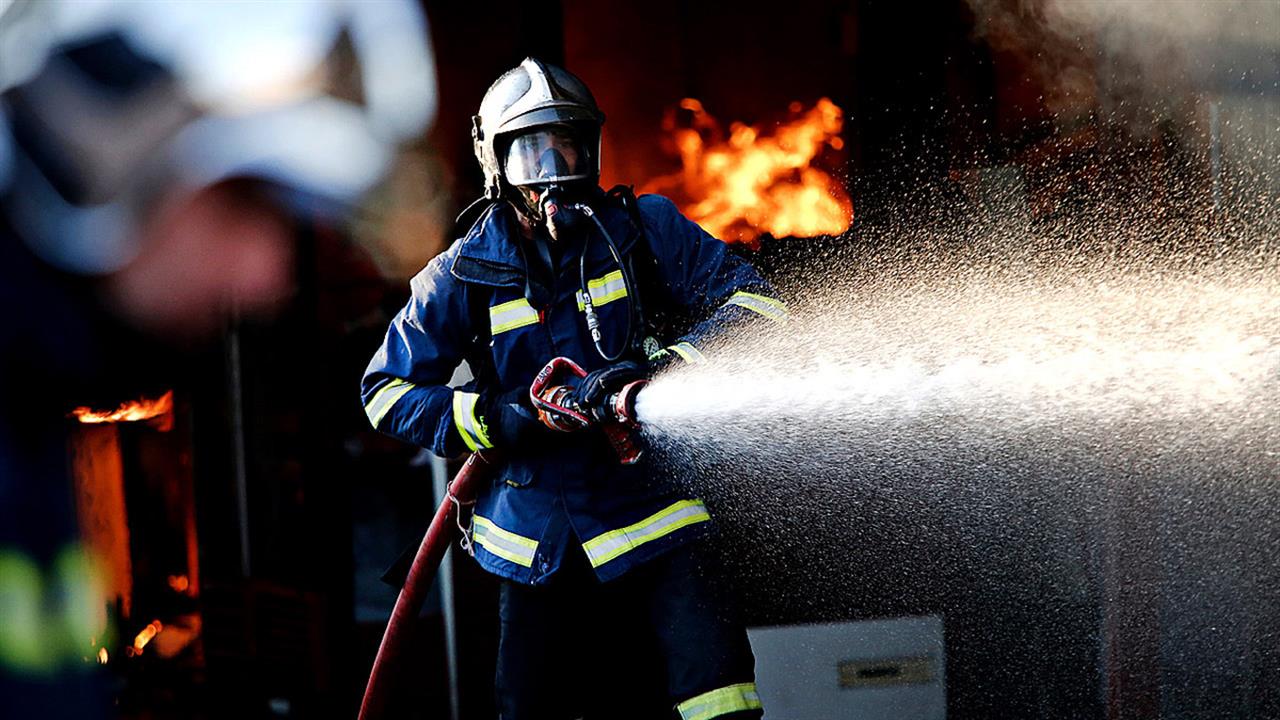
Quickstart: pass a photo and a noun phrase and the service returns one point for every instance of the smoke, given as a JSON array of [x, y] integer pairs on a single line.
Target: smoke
[[1140, 58]]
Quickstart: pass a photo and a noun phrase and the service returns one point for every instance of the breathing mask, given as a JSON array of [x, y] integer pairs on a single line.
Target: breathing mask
[[553, 172]]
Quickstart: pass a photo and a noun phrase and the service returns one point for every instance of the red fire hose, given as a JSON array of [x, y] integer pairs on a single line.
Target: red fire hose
[[441, 533]]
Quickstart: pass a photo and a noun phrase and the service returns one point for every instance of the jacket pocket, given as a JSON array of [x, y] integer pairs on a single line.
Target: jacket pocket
[[518, 473]]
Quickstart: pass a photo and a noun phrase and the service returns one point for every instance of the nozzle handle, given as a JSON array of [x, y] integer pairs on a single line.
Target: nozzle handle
[[542, 391]]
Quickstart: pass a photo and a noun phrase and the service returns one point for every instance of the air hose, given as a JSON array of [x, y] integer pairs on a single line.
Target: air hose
[[584, 294]]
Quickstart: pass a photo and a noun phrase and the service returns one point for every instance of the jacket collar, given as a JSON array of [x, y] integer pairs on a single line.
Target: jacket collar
[[490, 254]]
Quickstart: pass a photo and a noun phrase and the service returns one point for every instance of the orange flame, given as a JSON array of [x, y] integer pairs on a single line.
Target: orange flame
[[756, 182], [102, 656], [179, 583], [133, 411], [152, 629]]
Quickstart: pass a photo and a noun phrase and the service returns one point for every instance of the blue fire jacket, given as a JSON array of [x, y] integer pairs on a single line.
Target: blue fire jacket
[[470, 303]]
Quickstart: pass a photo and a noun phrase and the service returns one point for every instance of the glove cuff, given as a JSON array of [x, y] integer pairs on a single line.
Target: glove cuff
[[684, 352]]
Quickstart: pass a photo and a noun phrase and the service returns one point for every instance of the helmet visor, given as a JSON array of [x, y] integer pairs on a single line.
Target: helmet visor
[[547, 155]]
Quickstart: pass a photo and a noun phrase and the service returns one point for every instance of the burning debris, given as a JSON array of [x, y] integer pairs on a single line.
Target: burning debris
[[756, 181], [159, 410]]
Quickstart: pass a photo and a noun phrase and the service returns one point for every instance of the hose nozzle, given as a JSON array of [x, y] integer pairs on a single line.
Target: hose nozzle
[[622, 427], [552, 394]]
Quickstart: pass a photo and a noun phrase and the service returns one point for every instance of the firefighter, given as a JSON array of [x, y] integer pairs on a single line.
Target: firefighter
[[604, 607]]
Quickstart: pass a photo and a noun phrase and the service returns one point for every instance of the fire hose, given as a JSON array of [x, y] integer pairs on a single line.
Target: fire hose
[[550, 393], [443, 530]]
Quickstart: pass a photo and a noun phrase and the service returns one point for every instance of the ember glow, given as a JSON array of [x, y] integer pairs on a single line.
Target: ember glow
[[147, 633], [132, 411], [757, 181]]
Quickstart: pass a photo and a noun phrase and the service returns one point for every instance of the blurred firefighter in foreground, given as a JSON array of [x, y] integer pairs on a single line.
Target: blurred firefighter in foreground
[[154, 162], [604, 608]]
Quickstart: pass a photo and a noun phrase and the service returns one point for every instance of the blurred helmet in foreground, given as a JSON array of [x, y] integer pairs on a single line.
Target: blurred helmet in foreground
[[108, 107]]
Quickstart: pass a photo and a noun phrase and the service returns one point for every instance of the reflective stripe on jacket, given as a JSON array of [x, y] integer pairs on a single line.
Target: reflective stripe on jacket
[[570, 489]]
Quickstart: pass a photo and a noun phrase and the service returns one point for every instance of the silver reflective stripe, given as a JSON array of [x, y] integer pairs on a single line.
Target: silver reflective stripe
[[688, 352], [511, 315], [609, 546], [766, 306], [504, 543], [605, 289], [719, 702], [386, 397], [470, 427]]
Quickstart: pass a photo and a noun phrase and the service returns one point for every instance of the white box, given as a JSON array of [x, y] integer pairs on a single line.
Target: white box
[[870, 670]]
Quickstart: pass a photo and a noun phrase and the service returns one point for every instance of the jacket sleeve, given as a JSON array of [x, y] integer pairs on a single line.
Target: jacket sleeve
[[404, 390], [706, 280]]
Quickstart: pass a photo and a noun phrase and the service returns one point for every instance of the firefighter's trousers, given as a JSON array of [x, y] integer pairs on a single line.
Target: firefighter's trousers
[[659, 642]]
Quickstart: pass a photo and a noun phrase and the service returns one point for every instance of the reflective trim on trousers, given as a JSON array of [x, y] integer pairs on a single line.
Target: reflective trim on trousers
[[766, 306], [721, 701], [615, 543], [511, 315], [386, 397], [471, 428], [504, 543]]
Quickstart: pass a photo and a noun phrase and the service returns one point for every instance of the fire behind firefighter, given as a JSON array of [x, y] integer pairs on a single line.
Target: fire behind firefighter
[[604, 608]]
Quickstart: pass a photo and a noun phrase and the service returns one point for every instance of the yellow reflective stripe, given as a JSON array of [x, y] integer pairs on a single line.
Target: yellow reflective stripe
[[504, 543], [603, 548], [386, 397], [688, 352], [48, 621], [458, 413], [511, 315], [21, 606], [605, 289], [766, 306], [722, 701], [471, 428], [480, 427]]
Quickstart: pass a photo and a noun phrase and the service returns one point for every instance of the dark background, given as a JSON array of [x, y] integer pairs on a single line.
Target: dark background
[[929, 103]]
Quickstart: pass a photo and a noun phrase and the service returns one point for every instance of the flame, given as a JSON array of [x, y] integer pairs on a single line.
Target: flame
[[102, 656], [179, 583], [757, 182], [152, 629], [133, 411]]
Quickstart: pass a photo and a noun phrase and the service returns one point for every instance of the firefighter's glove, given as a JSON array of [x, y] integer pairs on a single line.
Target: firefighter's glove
[[592, 394], [511, 420]]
